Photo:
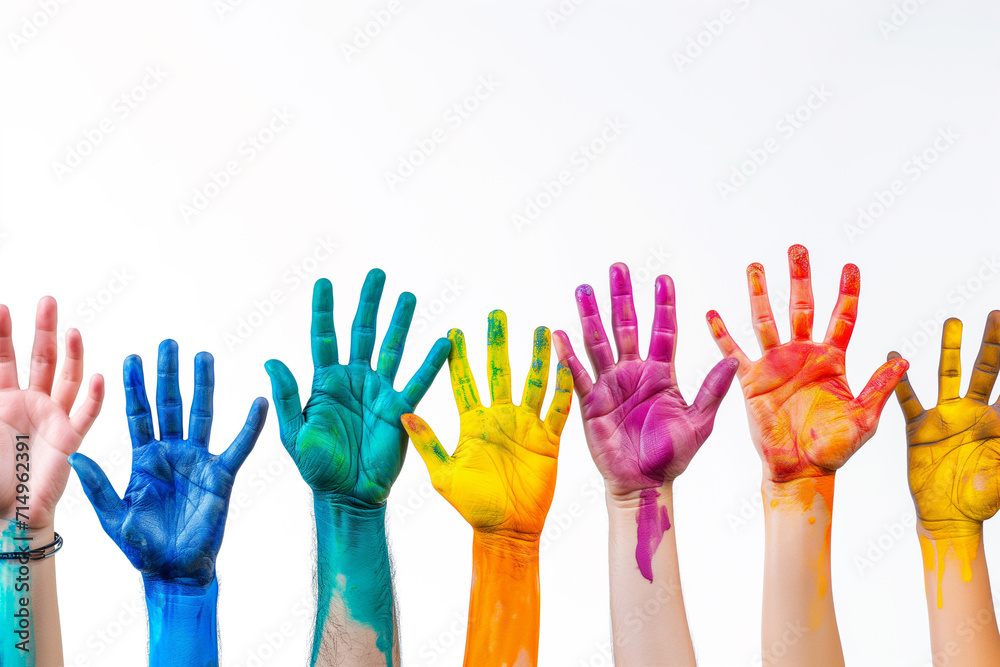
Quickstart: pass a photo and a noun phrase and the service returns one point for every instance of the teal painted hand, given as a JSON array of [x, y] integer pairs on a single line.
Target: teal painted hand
[[348, 442]]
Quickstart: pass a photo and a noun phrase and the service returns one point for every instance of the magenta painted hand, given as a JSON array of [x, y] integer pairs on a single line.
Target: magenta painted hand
[[641, 432]]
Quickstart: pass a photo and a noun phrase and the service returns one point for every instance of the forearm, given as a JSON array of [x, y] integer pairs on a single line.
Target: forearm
[[29, 610], [182, 624], [356, 616], [504, 606], [963, 624], [648, 622], [799, 626]]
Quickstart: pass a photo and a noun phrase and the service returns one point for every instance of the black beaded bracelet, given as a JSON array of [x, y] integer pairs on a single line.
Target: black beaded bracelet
[[35, 554]]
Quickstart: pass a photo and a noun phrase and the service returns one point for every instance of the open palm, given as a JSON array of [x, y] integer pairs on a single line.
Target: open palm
[[348, 441], [800, 389], [41, 413], [640, 431], [804, 419], [501, 476], [171, 520], [504, 469], [954, 448]]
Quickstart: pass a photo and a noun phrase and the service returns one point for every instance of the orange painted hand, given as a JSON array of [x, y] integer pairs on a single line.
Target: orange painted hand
[[954, 448], [804, 420], [502, 474]]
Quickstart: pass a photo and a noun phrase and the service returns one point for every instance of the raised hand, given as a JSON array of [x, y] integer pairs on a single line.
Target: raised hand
[[502, 474], [36, 435], [348, 442], [805, 424], [501, 478], [349, 445], [640, 430], [954, 450], [642, 435], [40, 415], [171, 520], [804, 420]]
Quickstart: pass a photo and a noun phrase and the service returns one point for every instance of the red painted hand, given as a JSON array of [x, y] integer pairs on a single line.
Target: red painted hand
[[804, 420]]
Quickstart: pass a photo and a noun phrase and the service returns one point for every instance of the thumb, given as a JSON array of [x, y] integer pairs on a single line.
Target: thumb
[[714, 389], [434, 455], [873, 397], [239, 450], [286, 401], [102, 496]]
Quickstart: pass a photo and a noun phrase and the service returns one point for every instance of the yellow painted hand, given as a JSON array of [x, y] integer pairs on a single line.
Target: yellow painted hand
[[502, 474], [954, 448], [953, 453]]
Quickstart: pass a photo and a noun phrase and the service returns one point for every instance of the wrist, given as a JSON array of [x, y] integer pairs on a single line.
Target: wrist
[[15, 538], [178, 589], [346, 502], [518, 547], [638, 523], [948, 529], [349, 535], [343, 517], [183, 625], [628, 503], [811, 495]]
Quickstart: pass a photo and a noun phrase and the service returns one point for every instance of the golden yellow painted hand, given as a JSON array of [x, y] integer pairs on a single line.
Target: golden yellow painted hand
[[502, 474], [954, 448], [953, 453]]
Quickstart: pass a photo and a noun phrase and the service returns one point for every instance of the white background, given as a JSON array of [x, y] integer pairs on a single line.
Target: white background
[[650, 197]]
